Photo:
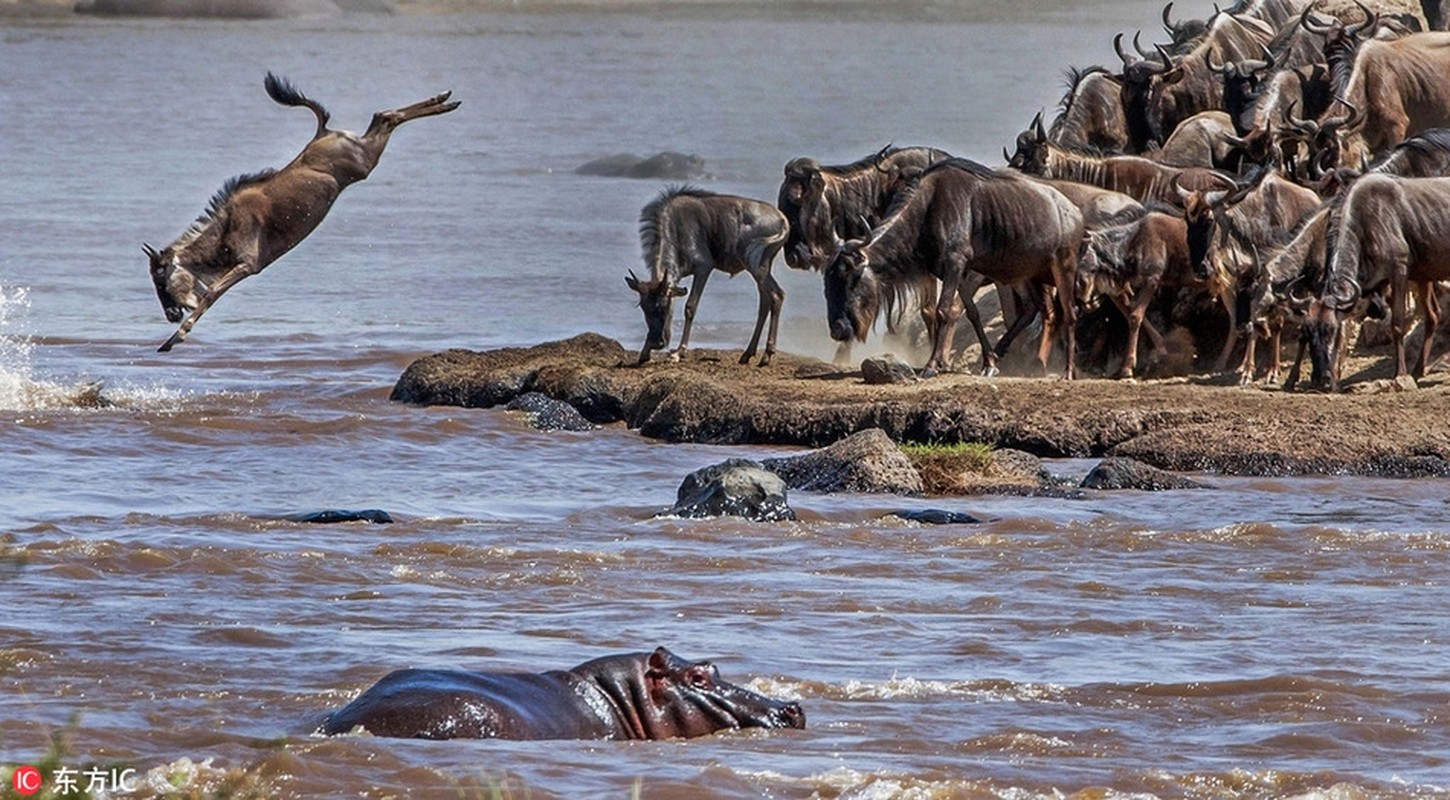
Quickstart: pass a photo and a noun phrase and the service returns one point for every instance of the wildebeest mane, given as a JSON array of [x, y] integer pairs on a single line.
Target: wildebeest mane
[[1073, 77], [218, 202], [651, 218]]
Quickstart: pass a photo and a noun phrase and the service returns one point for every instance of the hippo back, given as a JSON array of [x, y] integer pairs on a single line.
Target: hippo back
[[448, 704]]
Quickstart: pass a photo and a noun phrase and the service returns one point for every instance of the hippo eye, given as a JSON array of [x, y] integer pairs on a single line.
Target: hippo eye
[[699, 677]]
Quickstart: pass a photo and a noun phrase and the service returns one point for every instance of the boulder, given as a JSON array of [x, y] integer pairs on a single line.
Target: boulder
[[936, 516], [669, 166], [887, 369], [866, 461], [1126, 473], [545, 413], [329, 516], [738, 487]]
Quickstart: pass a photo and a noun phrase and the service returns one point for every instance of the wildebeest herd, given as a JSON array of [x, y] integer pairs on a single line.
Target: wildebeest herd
[[1288, 160], [1281, 159]]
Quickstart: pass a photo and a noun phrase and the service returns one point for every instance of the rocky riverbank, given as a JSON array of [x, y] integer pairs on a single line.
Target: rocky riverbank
[[1180, 424]]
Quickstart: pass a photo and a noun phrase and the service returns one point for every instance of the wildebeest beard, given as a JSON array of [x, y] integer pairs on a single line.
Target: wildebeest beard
[[853, 296]]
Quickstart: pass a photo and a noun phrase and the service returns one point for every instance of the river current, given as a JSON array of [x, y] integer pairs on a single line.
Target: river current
[[1265, 638]]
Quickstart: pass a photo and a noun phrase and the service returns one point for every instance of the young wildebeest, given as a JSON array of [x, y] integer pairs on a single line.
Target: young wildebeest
[[1130, 263], [1391, 232], [255, 219], [688, 232], [961, 222]]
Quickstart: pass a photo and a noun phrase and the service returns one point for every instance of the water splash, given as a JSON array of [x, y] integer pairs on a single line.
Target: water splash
[[21, 389]]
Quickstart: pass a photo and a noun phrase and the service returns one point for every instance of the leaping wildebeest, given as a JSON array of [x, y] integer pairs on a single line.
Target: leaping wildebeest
[[687, 232], [255, 219], [962, 222]]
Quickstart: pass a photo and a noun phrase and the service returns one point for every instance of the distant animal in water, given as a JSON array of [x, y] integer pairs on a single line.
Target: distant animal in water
[[654, 695], [255, 219], [688, 233]]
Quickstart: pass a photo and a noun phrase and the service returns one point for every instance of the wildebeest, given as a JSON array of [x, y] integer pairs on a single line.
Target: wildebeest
[[1397, 88], [1141, 178], [1202, 140], [688, 232], [1159, 94], [1130, 263], [1389, 232], [1091, 114], [827, 204], [255, 219], [962, 222]]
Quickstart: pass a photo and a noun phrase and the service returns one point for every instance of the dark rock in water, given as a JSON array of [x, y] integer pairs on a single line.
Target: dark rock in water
[[234, 9], [1125, 473], [866, 461], [331, 515], [738, 487], [887, 369], [547, 414], [668, 166], [936, 516]]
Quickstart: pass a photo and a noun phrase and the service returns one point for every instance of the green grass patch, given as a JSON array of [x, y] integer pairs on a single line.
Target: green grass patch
[[942, 465]]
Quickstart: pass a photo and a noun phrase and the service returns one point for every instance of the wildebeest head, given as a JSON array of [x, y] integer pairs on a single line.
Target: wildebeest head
[[853, 293], [693, 700], [175, 284], [1137, 81], [1031, 155], [1322, 328], [802, 199], [1201, 210], [657, 301]]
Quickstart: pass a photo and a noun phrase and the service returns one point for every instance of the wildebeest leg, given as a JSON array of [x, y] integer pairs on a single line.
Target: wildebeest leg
[[1027, 310], [1247, 367], [1064, 278], [1229, 297], [968, 292], [1399, 285], [946, 317], [772, 297], [210, 296], [697, 288], [1425, 293], [843, 354]]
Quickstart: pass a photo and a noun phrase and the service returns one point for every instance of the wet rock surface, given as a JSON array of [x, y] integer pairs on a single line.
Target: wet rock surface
[[737, 487], [1126, 473], [868, 461], [544, 413], [1178, 425]]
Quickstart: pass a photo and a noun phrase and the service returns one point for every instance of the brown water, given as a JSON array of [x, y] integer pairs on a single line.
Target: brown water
[[1267, 638]]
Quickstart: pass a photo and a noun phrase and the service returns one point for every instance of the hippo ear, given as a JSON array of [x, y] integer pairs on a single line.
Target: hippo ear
[[661, 661]]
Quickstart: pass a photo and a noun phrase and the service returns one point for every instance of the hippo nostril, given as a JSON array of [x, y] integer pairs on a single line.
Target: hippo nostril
[[795, 716]]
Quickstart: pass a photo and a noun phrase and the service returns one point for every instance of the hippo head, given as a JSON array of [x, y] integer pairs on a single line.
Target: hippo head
[[683, 699]]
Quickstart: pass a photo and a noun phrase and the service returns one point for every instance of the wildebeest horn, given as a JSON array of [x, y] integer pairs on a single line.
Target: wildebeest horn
[[1118, 46], [1313, 25], [1355, 290], [865, 224], [1006, 156], [1168, 23], [1303, 127], [1037, 128], [1138, 45], [1168, 64], [150, 251], [1370, 20]]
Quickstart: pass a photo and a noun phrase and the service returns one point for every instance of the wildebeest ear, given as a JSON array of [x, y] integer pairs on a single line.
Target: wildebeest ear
[[678, 291]]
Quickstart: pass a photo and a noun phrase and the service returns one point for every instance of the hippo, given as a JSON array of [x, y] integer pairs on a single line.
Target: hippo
[[654, 695]]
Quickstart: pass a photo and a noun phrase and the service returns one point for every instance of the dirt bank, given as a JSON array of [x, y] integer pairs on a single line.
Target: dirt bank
[[1180, 424]]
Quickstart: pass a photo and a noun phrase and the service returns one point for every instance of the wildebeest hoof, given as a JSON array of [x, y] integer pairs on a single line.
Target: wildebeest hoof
[[176, 338], [675, 356], [928, 372], [990, 371]]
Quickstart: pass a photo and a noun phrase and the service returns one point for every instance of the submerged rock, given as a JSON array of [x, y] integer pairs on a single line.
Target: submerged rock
[[331, 515], [668, 165], [1126, 473], [737, 487], [936, 516], [867, 461], [545, 413]]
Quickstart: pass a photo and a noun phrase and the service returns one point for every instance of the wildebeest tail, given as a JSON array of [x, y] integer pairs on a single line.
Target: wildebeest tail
[[762, 250], [282, 90]]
